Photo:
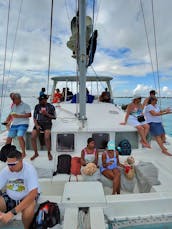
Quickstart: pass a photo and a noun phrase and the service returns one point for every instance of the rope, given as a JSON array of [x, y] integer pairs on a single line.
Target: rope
[[49, 59], [147, 40], [97, 76], [11, 59], [4, 66], [67, 11], [98, 10], [93, 14], [156, 53]]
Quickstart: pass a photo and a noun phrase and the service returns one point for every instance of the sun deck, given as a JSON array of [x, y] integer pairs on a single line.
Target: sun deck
[[103, 123]]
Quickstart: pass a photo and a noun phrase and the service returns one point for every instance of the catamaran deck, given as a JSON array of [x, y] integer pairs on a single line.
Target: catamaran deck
[[101, 119]]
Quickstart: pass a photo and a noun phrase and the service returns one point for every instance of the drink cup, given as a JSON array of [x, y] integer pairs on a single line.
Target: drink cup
[[43, 109]]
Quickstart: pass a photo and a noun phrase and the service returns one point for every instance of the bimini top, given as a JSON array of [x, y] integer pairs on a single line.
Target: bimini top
[[88, 78]]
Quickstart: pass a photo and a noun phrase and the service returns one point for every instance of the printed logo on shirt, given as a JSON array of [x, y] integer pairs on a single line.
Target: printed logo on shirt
[[16, 185]]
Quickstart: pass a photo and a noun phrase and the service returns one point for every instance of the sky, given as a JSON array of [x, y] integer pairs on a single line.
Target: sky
[[123, 50]]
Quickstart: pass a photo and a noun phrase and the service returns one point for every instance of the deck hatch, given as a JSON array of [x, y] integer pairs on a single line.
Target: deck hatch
[[101, 140], [65, 142]]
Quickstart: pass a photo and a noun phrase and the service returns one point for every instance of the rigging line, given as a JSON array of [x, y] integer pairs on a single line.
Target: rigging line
[[93, 14], [4, 66], [98, 10], [18, 19], [97, 76], [50, 40], [147, 40], [156, 53], [67, 11]]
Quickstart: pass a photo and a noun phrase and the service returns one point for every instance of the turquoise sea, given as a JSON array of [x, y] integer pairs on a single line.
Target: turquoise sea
[[32, 101]]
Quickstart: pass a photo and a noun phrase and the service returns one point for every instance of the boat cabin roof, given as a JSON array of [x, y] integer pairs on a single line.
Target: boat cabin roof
[[88, 78]]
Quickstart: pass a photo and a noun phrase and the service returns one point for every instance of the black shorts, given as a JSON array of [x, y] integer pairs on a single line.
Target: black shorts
[[10, 203], [44, 126]]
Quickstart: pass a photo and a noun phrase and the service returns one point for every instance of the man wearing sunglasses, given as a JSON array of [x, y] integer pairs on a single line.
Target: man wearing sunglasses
[[19, 182]]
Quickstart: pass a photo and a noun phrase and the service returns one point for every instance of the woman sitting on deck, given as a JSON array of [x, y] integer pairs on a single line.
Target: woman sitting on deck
[[89, 161], [134, 117], [153, 117], [109, 168]]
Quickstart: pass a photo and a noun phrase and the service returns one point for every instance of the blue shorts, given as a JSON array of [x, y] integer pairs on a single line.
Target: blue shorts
[[17, 130], [156, 129]]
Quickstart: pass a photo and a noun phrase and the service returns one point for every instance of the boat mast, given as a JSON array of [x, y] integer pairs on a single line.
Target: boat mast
[[82, 60]]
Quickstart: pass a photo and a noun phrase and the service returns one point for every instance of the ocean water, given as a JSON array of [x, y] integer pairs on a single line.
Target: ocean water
[[151, 226], [32, 101]]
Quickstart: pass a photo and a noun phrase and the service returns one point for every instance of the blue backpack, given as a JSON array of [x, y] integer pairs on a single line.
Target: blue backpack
[[124, 147]]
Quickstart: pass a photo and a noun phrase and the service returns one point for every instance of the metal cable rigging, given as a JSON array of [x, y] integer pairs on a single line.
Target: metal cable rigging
[[50, 40], [11, 59], [147, 40], [5, 54], [156, 53], [155, 46]]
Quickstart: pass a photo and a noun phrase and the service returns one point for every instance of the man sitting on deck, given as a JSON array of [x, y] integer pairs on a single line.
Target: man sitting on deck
[[19, 182], [43, 114]]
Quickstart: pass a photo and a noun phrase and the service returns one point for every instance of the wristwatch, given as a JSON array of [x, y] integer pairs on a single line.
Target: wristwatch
[[13, 211]]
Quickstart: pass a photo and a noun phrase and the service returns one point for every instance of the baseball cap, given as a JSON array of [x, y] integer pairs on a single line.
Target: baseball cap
[[43, 97], [111, 145]]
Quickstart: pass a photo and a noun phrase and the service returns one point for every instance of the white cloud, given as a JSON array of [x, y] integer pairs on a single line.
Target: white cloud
[[120, 25]]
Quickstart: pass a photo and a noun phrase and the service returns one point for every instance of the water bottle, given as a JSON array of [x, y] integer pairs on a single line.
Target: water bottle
[[40, 217]]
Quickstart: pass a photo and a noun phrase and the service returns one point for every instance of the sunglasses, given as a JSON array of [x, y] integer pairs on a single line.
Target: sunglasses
[[12, 163]]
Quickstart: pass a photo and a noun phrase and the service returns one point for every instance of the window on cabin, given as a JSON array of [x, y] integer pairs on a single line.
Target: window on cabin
[[65, 142], [101, 140]]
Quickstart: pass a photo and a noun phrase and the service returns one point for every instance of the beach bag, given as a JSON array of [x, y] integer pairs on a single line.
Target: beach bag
[[64, 164], [124, 147], [47, 216], [75, 167], [140, 118], [129, 172]]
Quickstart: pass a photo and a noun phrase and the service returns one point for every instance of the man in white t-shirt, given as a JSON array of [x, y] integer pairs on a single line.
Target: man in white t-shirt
[[20, 114], [19, 182]]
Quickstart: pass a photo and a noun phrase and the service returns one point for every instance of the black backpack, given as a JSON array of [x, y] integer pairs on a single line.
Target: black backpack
[[47, 216], [63, 164], [124, 147]]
